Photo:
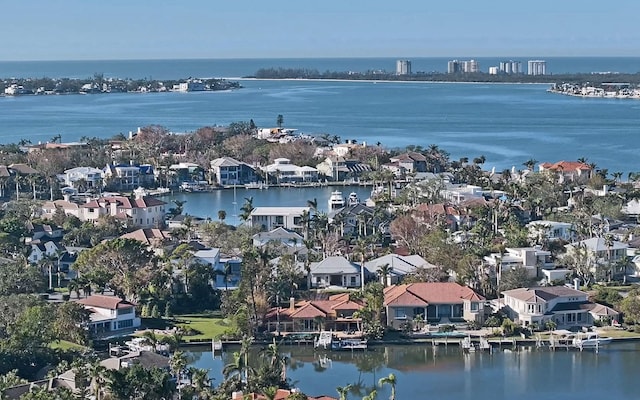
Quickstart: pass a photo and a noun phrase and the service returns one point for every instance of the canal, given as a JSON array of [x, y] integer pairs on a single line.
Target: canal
[[424, 372]]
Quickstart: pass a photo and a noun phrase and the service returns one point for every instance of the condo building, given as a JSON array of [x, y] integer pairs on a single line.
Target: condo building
[[467, 67], [510, 67], [403, 67], [537, 67]]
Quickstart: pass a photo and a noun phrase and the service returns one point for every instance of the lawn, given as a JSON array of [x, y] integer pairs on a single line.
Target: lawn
[[205, 326], [65, 345]]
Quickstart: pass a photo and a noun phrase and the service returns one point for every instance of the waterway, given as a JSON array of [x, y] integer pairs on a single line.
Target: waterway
[[207, 204], [508, 124], [446, 373]]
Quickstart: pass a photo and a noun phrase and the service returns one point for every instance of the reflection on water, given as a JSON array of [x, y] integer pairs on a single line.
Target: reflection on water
[[448, 373]]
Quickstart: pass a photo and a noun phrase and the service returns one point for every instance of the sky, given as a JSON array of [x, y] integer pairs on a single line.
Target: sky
[[170, 29]]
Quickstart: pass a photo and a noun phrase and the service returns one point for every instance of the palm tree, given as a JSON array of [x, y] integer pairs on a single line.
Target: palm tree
[[97, 374], [530, 164], [280, 120], [383, 272], [200, 380], [391, 381], [150, 338], [177, 363], [239, 367], [246, 208], [343, 391]]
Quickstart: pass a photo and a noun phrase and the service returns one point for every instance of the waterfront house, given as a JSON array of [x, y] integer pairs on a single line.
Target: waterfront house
[[398, 265], [186, 172], [270, 218], [435, 302], [83, 178], [409, 162], [127, 177], [567, 307], [50, 208], [228, 171], [283, 171], [336, 271], [568, 171], [141, 211], [334, 313], [110, 314], [337, 168]]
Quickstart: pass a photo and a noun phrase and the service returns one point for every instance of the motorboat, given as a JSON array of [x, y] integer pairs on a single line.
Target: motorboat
[[349, 344], [590, 340], [353, 199], [336, 201]]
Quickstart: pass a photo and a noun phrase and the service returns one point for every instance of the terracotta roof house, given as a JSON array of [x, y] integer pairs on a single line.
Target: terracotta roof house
[[335, 314], [568, 171], [281, 394], [110, 314], [567, 307], [141, 211], [435, 302], [410, 162], [156, 240]]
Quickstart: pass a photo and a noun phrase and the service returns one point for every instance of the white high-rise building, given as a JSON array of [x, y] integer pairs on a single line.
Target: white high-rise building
[[510, 67], [537, 67], [470, 66], [403, 67]]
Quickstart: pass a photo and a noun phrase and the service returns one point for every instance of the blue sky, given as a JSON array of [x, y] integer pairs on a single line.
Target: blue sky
[[161, 29]]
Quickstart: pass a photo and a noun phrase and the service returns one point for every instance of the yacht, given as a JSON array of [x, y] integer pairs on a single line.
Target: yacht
[[353, 199], [336, 201]]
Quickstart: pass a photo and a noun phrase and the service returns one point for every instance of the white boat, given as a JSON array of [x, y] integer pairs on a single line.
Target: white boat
[[349, 344], [336, 201], [139, 344], [353, 199], [590, 340], [253, 185]]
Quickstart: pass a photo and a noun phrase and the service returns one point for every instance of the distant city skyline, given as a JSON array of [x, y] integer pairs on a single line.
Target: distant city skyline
[[204, 29]]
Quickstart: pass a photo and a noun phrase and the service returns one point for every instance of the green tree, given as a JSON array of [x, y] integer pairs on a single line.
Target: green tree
[[279, 120], [343, 391]]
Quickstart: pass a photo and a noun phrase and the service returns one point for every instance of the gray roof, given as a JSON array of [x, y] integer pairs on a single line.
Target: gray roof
[[335, 265], [542, 294], [400, 265], [278, 234], [600, 244]]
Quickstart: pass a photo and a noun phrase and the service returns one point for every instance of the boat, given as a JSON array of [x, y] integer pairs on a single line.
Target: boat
[[590, 340], [336, 201], [353, 199], [139, 344], [349, 344], [253, 185]]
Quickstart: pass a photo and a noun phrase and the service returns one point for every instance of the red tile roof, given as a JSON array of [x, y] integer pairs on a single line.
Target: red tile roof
[[125, 202], [430, 293], [108, 302], [566, 166]]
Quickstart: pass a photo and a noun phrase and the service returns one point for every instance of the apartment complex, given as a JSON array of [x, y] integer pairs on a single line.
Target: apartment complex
[[403, 67], [465, 67], [536, 67]]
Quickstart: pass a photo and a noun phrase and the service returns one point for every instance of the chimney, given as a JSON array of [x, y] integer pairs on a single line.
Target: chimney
[[576, 283], [66, 197], [292, 303]]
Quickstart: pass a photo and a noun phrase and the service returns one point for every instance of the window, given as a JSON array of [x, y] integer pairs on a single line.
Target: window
[[579, 315], [128, 323], [123, 311], [353, 281], [279, 220], [401, 313], [474, 306]]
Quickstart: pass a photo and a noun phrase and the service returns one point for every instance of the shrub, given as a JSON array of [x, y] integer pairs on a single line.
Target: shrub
[[493, 321]]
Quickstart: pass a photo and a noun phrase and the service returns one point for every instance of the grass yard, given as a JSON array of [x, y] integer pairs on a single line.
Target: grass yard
[[65, 345], [205, 326]]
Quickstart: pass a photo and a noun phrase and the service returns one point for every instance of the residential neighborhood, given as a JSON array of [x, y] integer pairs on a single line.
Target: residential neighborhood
[[439, 247]]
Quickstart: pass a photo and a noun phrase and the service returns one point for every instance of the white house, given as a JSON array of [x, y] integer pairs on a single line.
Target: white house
[[399, 266], [278, 235], [600, 249], [40, 250], [110, 314], [530, 258], [551, 230], [336, 271], [284, 171], [141, 212], [269, 218], [90, 177], [221, 264], [567, 307]]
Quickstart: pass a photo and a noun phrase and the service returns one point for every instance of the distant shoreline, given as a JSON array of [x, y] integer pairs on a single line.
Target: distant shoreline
[[382, 81]]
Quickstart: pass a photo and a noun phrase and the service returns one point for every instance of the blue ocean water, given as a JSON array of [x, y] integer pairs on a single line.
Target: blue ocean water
[[176, 69], [508, 124]]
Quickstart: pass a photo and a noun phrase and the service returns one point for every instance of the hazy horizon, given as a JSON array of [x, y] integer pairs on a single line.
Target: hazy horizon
[[42, 30]]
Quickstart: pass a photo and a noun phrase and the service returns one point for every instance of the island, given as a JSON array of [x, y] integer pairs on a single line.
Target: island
[[101, 84]]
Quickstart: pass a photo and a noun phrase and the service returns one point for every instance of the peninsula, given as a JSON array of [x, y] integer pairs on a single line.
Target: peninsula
[[100, 84]]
